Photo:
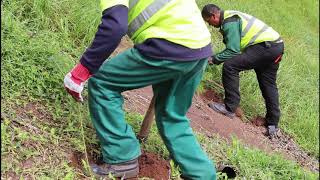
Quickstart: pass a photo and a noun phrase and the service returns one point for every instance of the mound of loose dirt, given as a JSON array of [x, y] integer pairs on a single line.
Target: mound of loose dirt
[[150, 165], [259, 121], [153, 166]]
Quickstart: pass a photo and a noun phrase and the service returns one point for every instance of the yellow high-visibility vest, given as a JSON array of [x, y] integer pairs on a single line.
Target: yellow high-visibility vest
[[253, 30], [178, 21]]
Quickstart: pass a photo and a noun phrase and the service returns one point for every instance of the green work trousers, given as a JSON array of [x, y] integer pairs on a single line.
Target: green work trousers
[[174, 84]]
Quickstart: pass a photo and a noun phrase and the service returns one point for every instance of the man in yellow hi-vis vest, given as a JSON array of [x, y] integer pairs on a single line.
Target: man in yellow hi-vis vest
[[250, 44], [170, 53]]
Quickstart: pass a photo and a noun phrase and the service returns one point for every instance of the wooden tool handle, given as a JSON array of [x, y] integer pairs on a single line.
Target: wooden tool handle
[[147, 121]]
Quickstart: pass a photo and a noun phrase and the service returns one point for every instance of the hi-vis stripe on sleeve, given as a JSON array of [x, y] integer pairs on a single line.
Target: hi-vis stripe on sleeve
[[105, 4]]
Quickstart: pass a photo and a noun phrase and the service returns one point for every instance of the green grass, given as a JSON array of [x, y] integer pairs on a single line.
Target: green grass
[[42, 126], [253, 163], [298, 76]]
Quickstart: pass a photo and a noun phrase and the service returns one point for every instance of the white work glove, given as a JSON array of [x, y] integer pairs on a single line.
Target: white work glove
[[74, 81]]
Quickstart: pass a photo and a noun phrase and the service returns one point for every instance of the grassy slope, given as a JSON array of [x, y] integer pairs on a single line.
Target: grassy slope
[[41, 126], [298, 77]]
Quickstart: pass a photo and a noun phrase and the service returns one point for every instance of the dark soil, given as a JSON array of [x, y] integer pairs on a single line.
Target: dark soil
[[212, 96], [259, 121], [150, 165], [153, 166]]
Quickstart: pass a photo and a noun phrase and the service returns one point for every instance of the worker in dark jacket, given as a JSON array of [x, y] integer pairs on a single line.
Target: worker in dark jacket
[[171, 52], [250, 44]]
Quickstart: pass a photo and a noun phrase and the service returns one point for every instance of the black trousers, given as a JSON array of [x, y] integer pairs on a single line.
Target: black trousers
[[260, 57]]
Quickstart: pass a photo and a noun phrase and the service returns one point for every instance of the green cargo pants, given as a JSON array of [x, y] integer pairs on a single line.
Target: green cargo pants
[[174, 84]]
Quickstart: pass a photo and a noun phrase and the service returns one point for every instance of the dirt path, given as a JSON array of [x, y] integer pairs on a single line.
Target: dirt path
[[205, 120]]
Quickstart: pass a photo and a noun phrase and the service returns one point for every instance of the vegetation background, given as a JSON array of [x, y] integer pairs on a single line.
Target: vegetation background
[[41, 125]]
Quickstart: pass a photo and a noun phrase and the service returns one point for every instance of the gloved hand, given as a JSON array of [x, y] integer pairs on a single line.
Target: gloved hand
[[74, 81]]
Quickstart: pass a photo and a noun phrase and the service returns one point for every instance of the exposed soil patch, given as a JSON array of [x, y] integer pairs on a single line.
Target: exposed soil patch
[[125, 44], [27, 117], [153, 166], [10, 176], [205, 120], [33, 110], [75, 160], [259, 121], [150, 165], [285, 143], [212, 96]]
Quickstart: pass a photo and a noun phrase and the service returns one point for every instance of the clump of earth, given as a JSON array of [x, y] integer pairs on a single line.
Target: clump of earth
[[150, 165]]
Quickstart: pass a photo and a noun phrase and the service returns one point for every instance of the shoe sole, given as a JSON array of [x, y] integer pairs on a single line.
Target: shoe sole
[[123, 175], [218, 111], [128, 174]]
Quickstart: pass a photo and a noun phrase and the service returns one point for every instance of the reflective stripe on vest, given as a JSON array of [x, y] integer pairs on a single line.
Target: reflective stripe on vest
[[250, 21], [132, 3], [263, 29], [145, 14]]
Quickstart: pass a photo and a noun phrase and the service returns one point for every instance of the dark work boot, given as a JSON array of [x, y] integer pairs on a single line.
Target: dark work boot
[[273, 131], [221, 108], [123, 170]]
